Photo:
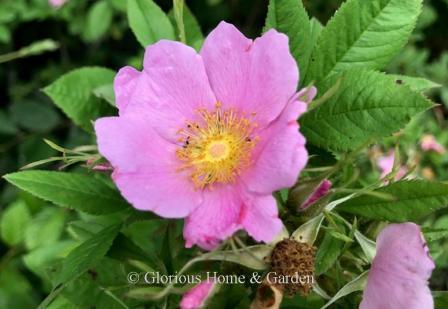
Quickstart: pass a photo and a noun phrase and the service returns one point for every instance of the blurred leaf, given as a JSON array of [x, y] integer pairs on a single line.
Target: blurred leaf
[[413, 200], [15, 292], [178, 11], [6, 14], [252, 257], [45, 228], [13, 222], [233, 296], [33, 148], [148, 22], [39, 259], [119, 5], [73, 93], [99, 19], [365, 34], [124, 249], [88, 292], [77, 191], [432, 234], [145, 293], [440, 299], [418, 84], [5, 34], [34, 116], [7, 126], [35, 48], [193, 31], [87, 254], [291, 18], [106, 92], [367, 106], [166, 252]]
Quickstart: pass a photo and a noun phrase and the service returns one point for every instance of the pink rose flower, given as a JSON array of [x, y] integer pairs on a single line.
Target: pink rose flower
[[322, 190], [400, 270], [57, 3], [386, 164], [429, 143], [196, 297], [208, 137]]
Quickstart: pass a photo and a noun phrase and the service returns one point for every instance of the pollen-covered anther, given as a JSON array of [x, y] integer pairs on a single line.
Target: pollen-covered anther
[[293, 262], [217, 147]]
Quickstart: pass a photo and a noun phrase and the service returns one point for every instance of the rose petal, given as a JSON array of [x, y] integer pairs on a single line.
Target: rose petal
[[260, 217], [145, 166], [255, 76], [170, 89], [217, 218], [280, 154], [196, 297], [400, 270]]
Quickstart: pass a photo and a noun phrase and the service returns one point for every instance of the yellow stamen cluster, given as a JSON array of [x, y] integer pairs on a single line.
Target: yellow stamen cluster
[[217, 147]]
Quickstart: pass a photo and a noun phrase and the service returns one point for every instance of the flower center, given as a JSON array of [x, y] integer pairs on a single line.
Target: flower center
[[217, 147], [218, 150]]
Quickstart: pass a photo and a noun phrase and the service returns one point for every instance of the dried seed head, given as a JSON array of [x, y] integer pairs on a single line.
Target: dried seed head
[[291, 260]]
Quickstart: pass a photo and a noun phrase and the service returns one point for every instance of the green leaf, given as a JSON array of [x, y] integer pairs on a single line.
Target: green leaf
[[124, 249], [87, 254], [328, 253], [16, 291], [148, 22], [73, 93], [308, 231], [368, 105], [144, 293], [43, 257], [7, 126], [77, 191], [5, 34], [45, 228], [178, 11], [412, 200], [252, 257], [13, 221], [99, 19], [417, 84], [356, 284], [34, 116], [440, 299], [193, 32], [291, 18], [119, 5], [106, 92], [316, 28], [365, 34], [432, 234], [368, 246]]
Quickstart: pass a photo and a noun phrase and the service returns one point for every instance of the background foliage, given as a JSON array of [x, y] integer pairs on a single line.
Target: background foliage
[[41, 244]]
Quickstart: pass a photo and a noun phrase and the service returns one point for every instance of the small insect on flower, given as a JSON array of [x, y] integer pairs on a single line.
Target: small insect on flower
[[210, 136]]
